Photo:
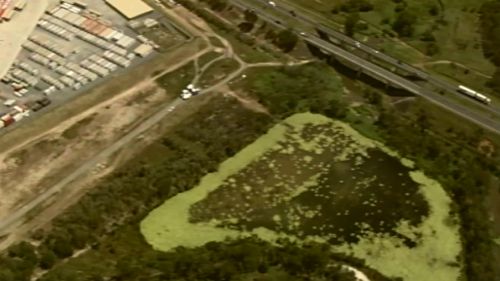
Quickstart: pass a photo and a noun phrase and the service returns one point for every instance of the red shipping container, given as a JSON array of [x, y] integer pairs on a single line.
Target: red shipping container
[[8, 120]]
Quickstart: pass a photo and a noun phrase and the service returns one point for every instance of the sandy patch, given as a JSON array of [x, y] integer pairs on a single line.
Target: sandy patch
[[28, 169]]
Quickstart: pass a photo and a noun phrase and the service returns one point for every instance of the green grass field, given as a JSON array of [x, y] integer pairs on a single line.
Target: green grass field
[[455, 28], [285, 184]]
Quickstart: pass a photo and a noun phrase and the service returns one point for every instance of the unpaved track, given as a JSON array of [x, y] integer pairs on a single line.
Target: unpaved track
[[12, 222], [16, 218]]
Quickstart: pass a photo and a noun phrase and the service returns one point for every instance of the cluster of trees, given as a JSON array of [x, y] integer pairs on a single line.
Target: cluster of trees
[[352, 6], [286, 39], [463, 172], [229, 260], [105, 221], [490, 31], [312, 87], [174, 164], [404, 23], [217, 5]]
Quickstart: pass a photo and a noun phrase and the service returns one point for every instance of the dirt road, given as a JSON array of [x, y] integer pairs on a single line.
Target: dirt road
[[15, 218], [10, 224]]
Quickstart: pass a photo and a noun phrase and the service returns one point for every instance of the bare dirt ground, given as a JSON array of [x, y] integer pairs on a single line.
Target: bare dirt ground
[[45, 154], [29, 166], [27, 170], [15, 32], [34, 127], [80, 186]]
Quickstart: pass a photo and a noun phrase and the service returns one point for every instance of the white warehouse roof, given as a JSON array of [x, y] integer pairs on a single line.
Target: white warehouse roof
[[130, 8]]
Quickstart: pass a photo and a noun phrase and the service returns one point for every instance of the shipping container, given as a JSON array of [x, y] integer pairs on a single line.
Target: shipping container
[[8, 120], [18, 117], [98, 29]]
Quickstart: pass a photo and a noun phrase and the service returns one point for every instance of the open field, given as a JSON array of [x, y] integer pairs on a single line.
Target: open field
[[48, 152], [178, 80], [454, 27], [29, 169], [208, 57], [285, 185], [36, 126], [217, 71]]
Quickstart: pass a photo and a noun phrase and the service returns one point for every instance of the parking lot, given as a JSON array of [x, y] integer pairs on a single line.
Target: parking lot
[[16, 31], [71, 50]]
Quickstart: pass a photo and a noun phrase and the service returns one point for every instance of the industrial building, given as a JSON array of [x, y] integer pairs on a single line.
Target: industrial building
[[130, 9], [143, 50], [71, 47]]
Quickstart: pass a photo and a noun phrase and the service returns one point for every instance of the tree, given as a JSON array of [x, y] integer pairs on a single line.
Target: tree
[[434, 10], [400, 7], [494, 82], [61, 247], [217, 5], [356, 6], [263, 268], [47, 259], [245, 26], [427, 36], [270, 35], [350, 24], [25, 251], [250, 16], [404, 24], [373, 97], [6, 275], [432, 49], [286, 40]]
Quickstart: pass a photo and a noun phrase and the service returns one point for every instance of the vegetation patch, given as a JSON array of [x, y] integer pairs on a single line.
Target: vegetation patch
[[174, 82], [74, 131], [497, 241], [208, 57], [311, 178], [217, 71]]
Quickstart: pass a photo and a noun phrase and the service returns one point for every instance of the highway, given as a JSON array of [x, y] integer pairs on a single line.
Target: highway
[[394, 79], [308, 18], [482, 119]]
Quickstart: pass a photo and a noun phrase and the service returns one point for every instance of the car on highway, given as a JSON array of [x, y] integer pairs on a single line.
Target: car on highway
[[303, 33]]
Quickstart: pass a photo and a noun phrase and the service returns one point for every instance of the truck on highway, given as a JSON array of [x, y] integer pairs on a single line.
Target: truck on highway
[[473, 94]]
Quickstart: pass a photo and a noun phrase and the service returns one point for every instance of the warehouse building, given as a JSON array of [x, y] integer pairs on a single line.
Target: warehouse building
[[143, 50], [130, 9]]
